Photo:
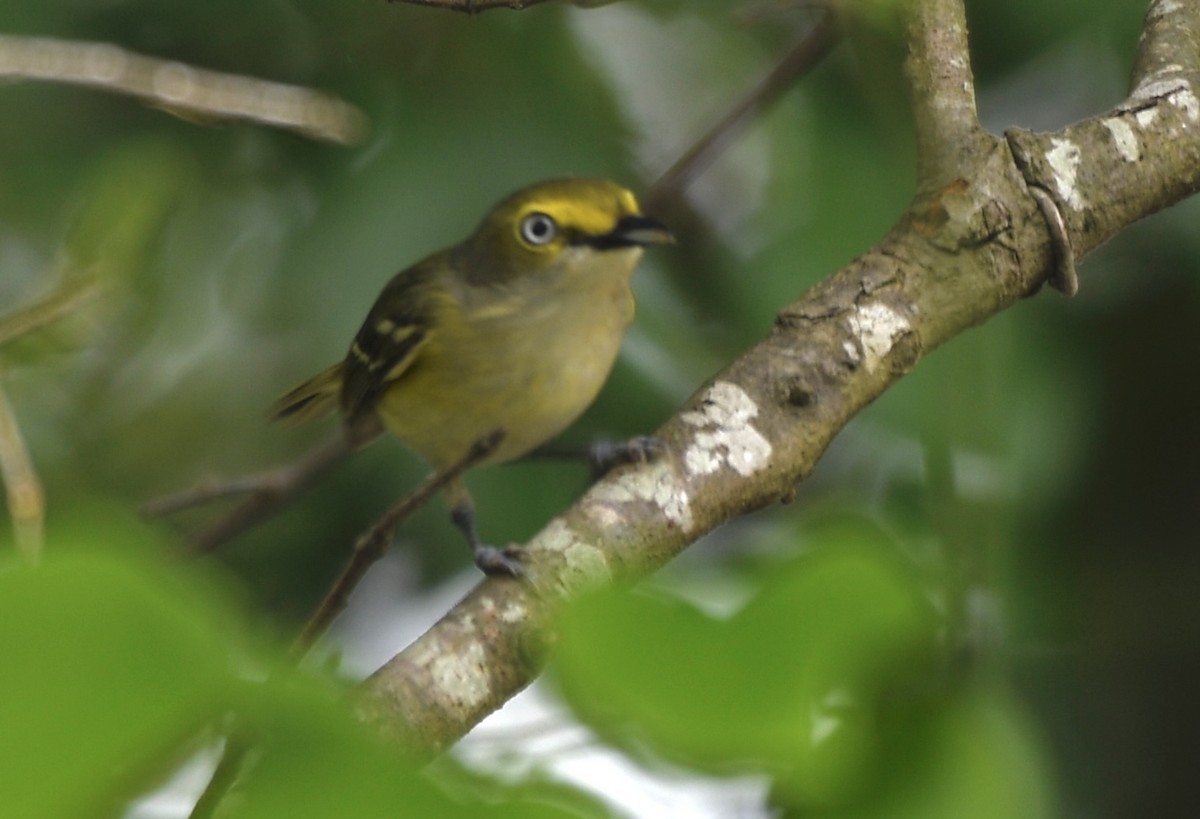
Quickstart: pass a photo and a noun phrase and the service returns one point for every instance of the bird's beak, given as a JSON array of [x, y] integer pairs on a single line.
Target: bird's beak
[[640, 230]]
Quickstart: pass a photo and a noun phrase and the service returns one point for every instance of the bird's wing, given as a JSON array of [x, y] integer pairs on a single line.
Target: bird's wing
[[398, 326]]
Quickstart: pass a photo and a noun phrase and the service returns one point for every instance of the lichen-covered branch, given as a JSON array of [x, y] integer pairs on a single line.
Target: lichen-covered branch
[[973, 242], [1141, 156]]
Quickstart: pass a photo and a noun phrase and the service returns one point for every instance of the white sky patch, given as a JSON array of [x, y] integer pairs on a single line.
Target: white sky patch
[[655, 483], [1064, 157], [1124, 138], [877, 326], [724, 433], [535, 736]]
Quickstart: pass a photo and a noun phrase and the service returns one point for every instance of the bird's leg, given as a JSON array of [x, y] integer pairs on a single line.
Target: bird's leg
[[604, 456], [491, 560], [607, 455]]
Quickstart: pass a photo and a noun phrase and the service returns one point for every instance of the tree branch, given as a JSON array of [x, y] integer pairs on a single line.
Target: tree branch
[[966, 249], [264, 493], [176, 86], [938, 70], [1141, 156], [26, 501], [58, 304], [475, 6], [811, 49]]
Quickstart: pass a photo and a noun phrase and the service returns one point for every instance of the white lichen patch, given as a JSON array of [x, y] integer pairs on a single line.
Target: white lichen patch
[[461, 675], [511, 613], [876, 326], [1159, 86], [724, 434], [654, 483], [1185, 99], [1145, 118], [1063, 157], [1124, 138], [514, 613], [1174, 89], [1163, 7], [583, 560]]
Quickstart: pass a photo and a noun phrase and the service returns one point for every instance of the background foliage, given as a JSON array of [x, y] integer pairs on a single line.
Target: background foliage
[[986, 592]]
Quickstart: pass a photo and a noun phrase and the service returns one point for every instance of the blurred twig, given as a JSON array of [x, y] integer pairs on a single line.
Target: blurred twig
[[813, 46], [23, 488], [473, 6], [265, 493], [61, 302], [372, 544], [753, 13], [26, 502], [176, 86]]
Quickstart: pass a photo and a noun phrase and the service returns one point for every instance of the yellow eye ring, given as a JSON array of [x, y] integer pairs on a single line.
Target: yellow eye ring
[[538, 229]]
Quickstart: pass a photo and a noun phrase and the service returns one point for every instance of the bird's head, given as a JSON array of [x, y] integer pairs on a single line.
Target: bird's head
[[560, 224]]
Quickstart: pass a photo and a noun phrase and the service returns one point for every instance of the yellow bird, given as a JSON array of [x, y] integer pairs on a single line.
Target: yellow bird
[[514, 330]]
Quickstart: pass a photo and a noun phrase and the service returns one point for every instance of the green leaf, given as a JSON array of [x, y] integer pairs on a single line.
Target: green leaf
[[790, 685], [109, 667], [972, 754]]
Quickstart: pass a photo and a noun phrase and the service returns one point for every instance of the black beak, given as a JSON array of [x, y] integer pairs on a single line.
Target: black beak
[[633, 231]]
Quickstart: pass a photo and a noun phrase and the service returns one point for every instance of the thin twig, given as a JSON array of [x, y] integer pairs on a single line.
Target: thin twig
[[474, 6], [60, 303], [372, 544], [266, 492], [233, 759], [811, 49], [176, 86], [26, 501]]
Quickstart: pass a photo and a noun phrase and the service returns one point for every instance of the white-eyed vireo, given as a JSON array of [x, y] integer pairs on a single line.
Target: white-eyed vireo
[[514, 329]]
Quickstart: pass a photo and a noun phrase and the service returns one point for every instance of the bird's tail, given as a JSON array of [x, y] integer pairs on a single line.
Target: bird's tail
[[315, 398]]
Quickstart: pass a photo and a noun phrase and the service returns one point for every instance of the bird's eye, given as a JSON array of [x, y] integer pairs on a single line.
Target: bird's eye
[[538, 229]]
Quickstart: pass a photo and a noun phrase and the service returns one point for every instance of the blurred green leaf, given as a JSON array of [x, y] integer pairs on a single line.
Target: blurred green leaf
[[972, 754], [123, 205], [115, 666], [313, 760], [109, 668], [789, 685]]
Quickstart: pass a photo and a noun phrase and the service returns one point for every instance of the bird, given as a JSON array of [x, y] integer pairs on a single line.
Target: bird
[[511, 332]]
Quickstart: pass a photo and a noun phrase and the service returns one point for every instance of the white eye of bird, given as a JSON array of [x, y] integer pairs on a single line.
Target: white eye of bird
[[538, 229]]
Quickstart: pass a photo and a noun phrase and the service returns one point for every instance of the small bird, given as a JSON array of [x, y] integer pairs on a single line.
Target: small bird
[[514, 330]]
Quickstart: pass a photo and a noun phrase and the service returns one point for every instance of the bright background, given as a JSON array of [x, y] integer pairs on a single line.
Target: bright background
[[1036, 478]]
